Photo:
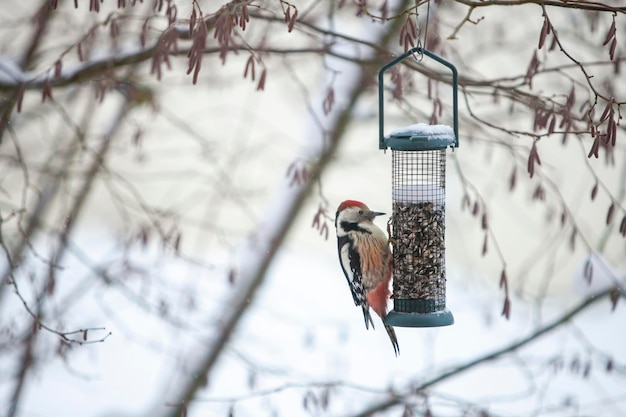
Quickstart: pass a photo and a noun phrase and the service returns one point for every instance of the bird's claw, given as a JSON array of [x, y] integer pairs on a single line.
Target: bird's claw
[[390, 240]]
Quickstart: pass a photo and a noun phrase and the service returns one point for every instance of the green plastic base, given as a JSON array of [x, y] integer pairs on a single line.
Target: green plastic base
[[435, 319]]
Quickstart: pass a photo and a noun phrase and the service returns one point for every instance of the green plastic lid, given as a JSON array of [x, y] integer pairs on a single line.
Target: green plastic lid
[[420, 137], [434, 319]]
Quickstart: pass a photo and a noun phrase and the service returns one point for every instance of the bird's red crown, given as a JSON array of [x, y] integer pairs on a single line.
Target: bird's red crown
[[351, 203]]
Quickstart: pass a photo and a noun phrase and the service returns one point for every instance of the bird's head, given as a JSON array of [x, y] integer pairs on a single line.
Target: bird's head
[[351, 213]]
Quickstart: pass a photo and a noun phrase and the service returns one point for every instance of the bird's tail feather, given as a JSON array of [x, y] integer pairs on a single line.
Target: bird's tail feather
[[394, 340], [367, 316]]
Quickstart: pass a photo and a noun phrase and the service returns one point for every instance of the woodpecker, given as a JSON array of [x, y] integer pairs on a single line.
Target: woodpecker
[[366, 261]]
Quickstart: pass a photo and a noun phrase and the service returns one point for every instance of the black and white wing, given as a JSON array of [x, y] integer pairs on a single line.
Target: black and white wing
[[351, 266]]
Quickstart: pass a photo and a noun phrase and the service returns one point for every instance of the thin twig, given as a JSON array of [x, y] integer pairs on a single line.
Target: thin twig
[[39, 324], [459, 369], [565, 4]]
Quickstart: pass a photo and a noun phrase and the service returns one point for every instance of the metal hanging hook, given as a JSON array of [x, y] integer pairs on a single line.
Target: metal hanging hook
[[383, 142], [418, 56]]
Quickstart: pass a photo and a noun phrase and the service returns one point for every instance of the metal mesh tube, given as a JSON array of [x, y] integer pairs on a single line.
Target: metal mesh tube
[[418, 192]]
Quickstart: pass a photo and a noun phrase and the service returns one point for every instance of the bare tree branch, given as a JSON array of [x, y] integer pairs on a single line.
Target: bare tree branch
[[398, 399], [568, 4], [272, 239]]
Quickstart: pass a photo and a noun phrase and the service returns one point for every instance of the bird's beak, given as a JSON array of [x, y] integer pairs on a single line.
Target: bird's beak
[[372, 214]]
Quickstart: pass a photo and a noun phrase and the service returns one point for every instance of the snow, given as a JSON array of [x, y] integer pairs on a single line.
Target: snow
[[303, 332], [439, 132], [10, 72]]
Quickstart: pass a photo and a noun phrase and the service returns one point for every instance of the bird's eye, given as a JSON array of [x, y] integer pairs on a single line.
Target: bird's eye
[[360, 211]]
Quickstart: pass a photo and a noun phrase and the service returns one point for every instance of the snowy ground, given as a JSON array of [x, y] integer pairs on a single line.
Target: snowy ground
[[303, 342], [299, 339]]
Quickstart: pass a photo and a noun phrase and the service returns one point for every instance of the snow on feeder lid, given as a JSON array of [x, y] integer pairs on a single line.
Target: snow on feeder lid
[[421, 137], [418, 221]]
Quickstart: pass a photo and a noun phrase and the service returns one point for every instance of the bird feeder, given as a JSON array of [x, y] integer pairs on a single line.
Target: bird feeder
[[419, 199]]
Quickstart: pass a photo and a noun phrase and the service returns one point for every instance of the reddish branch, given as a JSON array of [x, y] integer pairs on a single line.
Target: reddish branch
[[566, 4]]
